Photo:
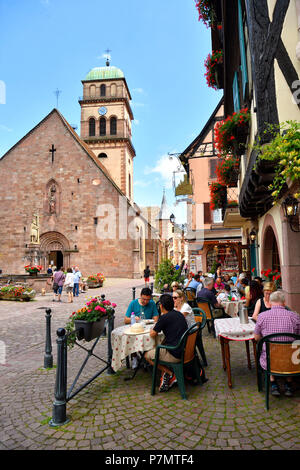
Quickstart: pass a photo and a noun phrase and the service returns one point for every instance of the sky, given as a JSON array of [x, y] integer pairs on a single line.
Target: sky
[[48, 45]]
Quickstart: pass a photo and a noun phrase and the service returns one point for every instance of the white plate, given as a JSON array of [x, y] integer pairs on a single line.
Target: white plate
[[128, 332], [149, 322]]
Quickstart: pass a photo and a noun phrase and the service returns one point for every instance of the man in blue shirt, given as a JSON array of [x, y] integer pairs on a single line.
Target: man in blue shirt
[[194, 283], [143, 304], [77, 276]]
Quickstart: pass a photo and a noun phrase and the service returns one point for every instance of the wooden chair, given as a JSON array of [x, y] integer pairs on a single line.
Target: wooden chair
[[210, 312], [200, 317], [188, 358], [282, 359], [190, 295]]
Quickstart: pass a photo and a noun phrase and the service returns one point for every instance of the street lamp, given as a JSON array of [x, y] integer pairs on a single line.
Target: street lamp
[[290, 209], [253, 235]]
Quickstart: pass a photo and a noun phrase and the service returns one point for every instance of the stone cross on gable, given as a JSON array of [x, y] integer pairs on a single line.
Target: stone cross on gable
[[52, 150]]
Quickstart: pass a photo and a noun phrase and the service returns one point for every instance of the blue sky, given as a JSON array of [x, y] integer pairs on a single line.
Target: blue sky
[[160, 45]]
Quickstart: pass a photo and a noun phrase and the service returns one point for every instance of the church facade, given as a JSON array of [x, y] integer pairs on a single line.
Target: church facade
[[67, 200]]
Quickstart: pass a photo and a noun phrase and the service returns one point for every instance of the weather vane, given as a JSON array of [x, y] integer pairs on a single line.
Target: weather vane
[[57, 92]]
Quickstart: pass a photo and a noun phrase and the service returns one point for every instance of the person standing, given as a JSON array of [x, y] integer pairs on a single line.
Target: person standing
[[147, 276], [69, 284], [77, 276], [58, 282]]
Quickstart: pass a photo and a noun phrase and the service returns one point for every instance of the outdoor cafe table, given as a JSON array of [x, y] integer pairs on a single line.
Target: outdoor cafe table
[[123, 344], [230, 329], [231, 307]]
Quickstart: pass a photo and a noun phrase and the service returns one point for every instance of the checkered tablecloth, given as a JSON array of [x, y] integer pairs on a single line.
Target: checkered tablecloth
[[123, 345], [231, 328], [231, 307]]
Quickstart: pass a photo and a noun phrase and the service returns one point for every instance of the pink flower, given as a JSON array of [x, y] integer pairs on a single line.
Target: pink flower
[[89, 311], [102, 309], [113, 305], [98, 307]]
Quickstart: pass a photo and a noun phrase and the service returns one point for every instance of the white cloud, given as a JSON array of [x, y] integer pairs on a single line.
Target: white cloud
[[165, 166], [138, 90], [142, 183], [136, 122], [137, 105], [5, 128]]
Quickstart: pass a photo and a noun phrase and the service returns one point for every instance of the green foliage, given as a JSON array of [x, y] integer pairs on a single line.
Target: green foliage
[[213, 268], [284, 151], [166, 274]]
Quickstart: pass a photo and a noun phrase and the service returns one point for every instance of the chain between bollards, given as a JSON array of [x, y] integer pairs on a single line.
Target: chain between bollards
[[48, 357]]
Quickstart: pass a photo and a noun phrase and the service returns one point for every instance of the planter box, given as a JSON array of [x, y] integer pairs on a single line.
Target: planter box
[[92, 285], [89, 330]]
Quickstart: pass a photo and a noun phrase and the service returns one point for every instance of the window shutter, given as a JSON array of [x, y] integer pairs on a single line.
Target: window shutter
[[207, 213], [236, 93], [242, 49]]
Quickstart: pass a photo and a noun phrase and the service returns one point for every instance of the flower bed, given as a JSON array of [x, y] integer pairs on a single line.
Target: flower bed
[[92, 312], [214, 69], [231, 134], [16, 293]]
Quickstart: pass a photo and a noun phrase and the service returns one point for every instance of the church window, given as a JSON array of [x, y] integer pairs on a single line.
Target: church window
[[103, 90], [76, 227], [78, 180], [95, 220], [113, 126], [102, 126], [91, 127], [102, 155]]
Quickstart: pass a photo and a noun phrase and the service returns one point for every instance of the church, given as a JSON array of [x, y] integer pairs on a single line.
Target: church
[[67, 200]]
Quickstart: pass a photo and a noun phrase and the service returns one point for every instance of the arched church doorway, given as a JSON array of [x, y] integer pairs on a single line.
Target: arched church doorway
[[56, 258], [56, 249]]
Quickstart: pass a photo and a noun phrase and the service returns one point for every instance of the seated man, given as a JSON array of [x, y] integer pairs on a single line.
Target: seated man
[[143, 304], [207, 293], [276, 320], [193, 283], [219, 286], [173, 325], [224, 295]]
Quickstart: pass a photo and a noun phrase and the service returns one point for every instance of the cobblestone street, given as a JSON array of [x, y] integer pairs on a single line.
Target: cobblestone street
[[113, 414]]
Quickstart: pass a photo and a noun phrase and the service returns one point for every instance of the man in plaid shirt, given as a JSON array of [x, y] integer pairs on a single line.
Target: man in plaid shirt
[[276, 320]]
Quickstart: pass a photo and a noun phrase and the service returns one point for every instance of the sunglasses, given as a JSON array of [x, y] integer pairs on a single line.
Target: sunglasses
[[175, 297]]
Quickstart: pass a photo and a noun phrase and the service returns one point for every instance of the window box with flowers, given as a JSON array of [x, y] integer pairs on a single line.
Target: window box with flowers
[[227, 170], [214, 70], [95, 280], [231, 134], [88, 323], [218, 195], [206, 12], [283, 152]]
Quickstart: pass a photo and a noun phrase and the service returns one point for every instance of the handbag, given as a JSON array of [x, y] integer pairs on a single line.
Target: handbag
[[55, 285]]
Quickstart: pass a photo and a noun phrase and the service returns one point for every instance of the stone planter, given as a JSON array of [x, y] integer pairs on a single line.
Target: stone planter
[[94, 285], [89, 330]]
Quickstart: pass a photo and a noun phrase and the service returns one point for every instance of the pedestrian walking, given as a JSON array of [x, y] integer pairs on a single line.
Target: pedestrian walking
[[147, 275], [69, 284], [58, 282], [77, 276]]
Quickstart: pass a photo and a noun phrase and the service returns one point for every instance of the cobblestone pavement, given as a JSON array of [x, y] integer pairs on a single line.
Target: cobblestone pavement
[[113, 414]]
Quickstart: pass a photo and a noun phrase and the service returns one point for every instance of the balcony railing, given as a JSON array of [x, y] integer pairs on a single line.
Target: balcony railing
[[231, 200]]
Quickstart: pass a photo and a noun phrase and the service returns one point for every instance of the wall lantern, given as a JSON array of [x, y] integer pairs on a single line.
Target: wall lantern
[[172, 219], [252, 235], [290, 209]]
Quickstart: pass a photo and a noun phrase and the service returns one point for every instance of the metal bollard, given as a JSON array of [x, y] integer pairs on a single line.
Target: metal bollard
[[59, 411], [111, 323], [133, 293], [151, 287], [48, 357]]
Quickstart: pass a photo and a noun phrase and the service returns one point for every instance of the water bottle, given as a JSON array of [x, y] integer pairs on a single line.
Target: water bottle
[[132, 318]]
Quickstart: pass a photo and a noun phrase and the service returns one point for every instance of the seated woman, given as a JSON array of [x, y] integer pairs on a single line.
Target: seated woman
[[252, 296], [174, 286], [182, 306], [264, 304]]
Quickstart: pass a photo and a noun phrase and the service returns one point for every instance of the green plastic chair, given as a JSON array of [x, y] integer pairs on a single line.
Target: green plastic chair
[[282, 359], [200, 316], [188, 357]]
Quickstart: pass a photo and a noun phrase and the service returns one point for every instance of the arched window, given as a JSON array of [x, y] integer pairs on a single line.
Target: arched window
[[92, 127], [113, 126], [102, 126], [103, 90], [102, 155]]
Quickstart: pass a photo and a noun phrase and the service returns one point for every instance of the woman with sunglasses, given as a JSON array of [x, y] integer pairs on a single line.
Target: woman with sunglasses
[[182, 306]]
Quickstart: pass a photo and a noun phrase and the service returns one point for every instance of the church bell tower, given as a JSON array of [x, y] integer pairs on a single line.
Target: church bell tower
[[106, 118]]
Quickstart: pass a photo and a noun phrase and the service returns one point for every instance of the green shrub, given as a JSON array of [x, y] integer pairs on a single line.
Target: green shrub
[[166, 274]]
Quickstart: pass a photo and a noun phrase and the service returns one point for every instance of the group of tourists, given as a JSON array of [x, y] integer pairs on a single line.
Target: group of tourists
[[69, 280]]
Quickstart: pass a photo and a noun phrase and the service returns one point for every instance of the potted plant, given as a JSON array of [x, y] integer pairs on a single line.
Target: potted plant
[[33, 269], [95, 280], [218, 195], [214, 70], [272, 276], [206, 12], [231, 134], [88, 322], [16, 293], [166, 274], [228, 170]]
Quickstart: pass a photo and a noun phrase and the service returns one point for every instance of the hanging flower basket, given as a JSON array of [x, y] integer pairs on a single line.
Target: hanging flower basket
[[218, 196], [214, 70], [231, 134], [228, 171]]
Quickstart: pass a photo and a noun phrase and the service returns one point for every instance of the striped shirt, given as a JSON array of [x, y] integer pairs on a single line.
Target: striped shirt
[[276, 320]]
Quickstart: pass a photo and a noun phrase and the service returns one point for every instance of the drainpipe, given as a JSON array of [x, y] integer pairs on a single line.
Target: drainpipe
[[298, 17]]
